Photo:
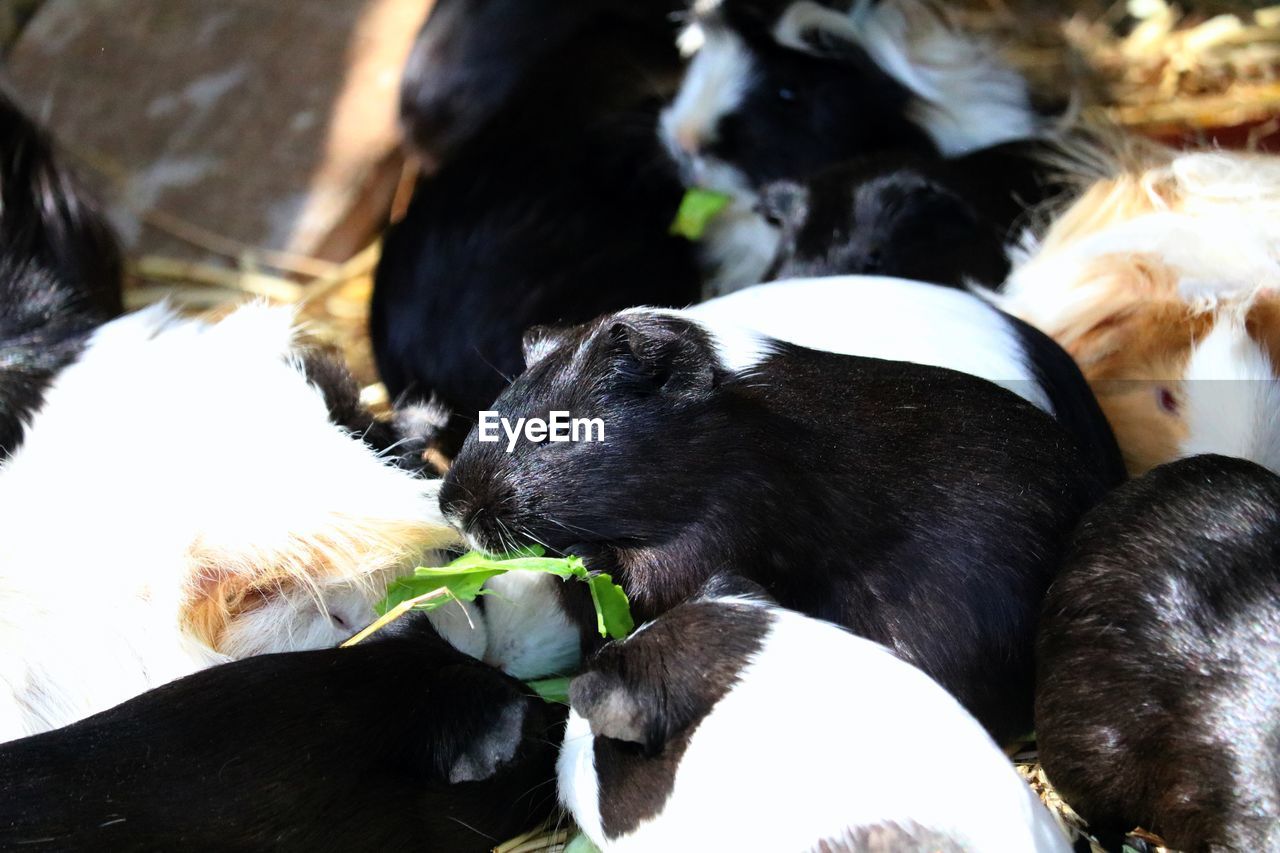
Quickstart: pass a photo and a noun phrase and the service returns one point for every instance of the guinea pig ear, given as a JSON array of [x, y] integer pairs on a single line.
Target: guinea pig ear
[[539, 341], [614, 711], [666, 357], [821, 31], [728, 585], [785, 204]]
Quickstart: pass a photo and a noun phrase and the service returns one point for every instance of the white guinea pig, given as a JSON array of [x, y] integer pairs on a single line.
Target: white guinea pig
[[184, 493], [732, 724]]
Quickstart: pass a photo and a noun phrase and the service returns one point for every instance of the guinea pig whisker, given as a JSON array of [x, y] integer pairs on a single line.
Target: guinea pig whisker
[[472, 828], [490, 364], [575, 529]]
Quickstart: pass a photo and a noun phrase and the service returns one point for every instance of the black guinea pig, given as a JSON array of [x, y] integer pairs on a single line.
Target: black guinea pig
[[1158, 699], [919, 507], [556, 210], [783, 89], [664, 747], [60, 270], [471, 56], [921, 218], [403, 744]]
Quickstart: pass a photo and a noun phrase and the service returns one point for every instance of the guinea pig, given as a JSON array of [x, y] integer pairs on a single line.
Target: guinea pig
[[917, 506], [60, 270], [1164, 283], [471, 56], [912, 321], [402, 744], [786, 88], [1158, 703], [556, 211], [196, 469], [668, 744], [908, 216]]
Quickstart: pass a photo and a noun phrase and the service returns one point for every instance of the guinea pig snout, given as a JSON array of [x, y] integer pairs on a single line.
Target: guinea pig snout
[[481, 512]]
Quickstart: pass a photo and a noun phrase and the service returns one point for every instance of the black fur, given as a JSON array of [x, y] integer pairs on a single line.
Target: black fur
[[1073, 401], [915, 217], [802, 112], [919, 507], [556, 211], [471, 56], [403, 439], [1159, 703], [403, 744], [60, 271]]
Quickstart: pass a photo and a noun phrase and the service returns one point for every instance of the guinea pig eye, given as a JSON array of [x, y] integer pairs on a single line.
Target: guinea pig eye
[[786, 93], [1168, 401]]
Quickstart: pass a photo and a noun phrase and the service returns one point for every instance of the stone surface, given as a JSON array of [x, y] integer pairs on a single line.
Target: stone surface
[[267, 122]]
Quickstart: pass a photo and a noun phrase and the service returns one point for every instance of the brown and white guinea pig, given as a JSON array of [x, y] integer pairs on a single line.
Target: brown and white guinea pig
[[918, 506], [1164, 284], [785, 88], [917, 217], [1158, 703], [401, 744], [183, 494], [60, 270], [668, 744]]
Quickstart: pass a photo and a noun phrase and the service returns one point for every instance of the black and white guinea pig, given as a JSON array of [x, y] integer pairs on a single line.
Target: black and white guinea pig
[[918, 506], [786, 88], [899, 320], [60, 270], [908, 216], [557, 210], [673, 743], [402, 744], [1158, 702]]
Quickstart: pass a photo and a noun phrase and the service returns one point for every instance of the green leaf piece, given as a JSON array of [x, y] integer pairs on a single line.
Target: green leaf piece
[[613, 610], [697, 209], [555, 690], [580, 844], [465, 578]]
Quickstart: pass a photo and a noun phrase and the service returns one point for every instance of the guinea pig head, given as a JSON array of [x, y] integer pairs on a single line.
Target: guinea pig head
[[753, 109], [635, 707], [642, 388], [897, 223], [778, 89], [1179, 376]]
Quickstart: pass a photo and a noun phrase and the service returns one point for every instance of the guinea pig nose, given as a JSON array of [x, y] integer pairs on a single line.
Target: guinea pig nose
[[688, 139], [453, 501]]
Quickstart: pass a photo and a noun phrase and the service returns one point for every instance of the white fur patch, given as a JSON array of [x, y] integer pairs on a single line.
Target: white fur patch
[[178, 456], [877, 318], [867, 723], [529, 634], [1233, 398], [738, 248], [714, 85], [968, 97]]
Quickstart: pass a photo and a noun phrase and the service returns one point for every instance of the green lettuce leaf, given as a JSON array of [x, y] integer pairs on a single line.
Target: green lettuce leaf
[[697, 209]]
